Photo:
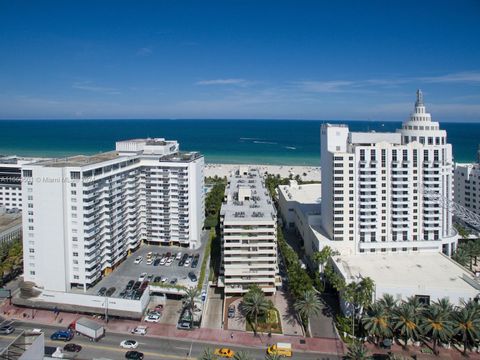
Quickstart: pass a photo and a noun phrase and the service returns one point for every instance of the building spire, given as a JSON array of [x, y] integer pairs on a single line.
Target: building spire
[[419, 101]]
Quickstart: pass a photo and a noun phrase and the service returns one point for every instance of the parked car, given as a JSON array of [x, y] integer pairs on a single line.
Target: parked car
[[159, 308], [185, 325], [134, 355], [157, 279], [123, 293], [142, 277], [150, 277], [182, 261], [102, 291], [169, 262], [7, 329], [138, 260], [178, 256], [139, 330], [64, 335], [187, 263], [173, 281], [163, 279], [110, 291], [149, 261], [129, 344], [130, 284], [163, 261], [192, 276], [153, 317], [156, 262], [231, 311], [195, 261], [137, 285], [71, 347]]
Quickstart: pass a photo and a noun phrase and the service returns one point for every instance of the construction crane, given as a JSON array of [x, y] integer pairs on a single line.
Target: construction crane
[[461, 212]]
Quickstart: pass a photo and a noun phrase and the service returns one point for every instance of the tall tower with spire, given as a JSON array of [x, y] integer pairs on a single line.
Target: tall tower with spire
[[435, 166]]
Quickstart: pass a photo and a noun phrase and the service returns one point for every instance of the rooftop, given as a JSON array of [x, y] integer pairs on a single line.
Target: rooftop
[[247, 198], [429, 269], [79, 160]]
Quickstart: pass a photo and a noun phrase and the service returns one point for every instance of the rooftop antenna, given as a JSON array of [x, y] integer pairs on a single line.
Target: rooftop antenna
[[419, 101]]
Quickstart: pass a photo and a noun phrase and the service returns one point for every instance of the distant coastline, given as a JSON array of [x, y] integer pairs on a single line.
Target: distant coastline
[[270, 142]]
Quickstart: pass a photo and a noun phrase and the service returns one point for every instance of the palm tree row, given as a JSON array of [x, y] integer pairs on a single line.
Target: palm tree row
[[440, 322], [467, 253]]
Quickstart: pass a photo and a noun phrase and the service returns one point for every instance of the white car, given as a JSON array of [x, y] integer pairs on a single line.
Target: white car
[[163, 261], [187, 263], [152, 318], [138, 260], [129, 344], [140, 330], [150, 261], [169, 262], [142, 277], [163, 279], [179, 256]]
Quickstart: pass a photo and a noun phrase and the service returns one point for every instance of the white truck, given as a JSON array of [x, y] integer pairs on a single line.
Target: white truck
[[88, 328]]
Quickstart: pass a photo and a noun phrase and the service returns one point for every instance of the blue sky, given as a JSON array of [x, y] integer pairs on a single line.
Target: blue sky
[[239, 59]]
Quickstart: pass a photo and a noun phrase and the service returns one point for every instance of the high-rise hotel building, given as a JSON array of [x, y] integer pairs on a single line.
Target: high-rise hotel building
[[82, 214], [372, 187], [248, 221]]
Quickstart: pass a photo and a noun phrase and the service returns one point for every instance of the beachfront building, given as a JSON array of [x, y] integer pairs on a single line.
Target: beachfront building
[[10, 181], [371, 209], [249, 235], [467, 185], [83, 214], [373, 187]]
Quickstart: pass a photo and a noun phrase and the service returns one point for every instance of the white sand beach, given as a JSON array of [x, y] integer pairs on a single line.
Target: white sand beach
[[307, 173]]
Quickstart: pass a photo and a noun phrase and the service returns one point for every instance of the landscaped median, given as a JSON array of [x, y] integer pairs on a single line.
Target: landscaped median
[[206, 257]]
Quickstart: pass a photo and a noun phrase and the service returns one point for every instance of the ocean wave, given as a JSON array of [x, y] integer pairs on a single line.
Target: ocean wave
[[248, 138], [290, 147], [265, 142]]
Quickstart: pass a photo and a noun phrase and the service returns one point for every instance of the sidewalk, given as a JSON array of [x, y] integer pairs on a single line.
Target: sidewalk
[[213, 336]]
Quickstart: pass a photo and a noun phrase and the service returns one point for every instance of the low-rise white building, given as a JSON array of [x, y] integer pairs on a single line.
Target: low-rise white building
[[249, 235], [83, 214], [427, 275]]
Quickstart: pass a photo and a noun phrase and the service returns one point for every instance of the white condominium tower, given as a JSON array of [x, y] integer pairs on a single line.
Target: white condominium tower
[[83, 214], [372, 187], [249, 234], [466, 182]]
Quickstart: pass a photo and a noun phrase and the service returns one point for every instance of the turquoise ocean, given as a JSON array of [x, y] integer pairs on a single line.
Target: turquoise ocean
[[277, 142]]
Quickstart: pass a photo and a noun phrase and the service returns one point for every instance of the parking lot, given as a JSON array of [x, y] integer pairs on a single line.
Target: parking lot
[[129, 270]]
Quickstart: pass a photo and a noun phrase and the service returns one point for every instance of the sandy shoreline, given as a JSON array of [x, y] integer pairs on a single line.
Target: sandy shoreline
[[307, 173]]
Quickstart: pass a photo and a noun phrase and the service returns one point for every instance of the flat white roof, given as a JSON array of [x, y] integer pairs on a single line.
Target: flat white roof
[[303, 194], [423, 270]]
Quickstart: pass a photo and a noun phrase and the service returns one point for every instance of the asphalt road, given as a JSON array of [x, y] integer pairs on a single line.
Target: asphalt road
[[153, 348]]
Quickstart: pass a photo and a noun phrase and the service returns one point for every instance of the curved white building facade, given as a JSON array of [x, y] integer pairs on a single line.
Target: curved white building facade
[[372, 187]]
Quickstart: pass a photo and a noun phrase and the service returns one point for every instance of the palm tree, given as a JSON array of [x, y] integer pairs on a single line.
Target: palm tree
[[444, 304], [308, 305], [388, 303], [405, 320], [466, 323], [436, 323], [357, 351], [376, 322], [208, 355], [191, 294], [242, 355], [254, 304], [418, 306], [273, 357]]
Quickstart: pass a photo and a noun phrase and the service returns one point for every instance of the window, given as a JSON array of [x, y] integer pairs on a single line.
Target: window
[[31, 251], [75, 254], [32, 272]]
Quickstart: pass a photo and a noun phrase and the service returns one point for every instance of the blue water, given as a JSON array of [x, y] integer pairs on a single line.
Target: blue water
[[288, 142]]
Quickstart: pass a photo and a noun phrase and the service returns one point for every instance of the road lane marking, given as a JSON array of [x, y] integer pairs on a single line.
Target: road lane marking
[[120, 350]]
